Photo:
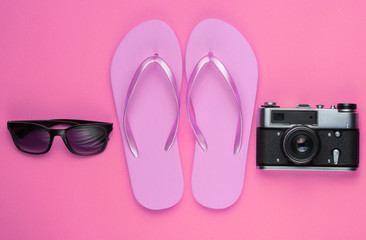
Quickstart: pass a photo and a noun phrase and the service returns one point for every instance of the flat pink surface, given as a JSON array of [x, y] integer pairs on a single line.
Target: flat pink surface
[[55, 62]]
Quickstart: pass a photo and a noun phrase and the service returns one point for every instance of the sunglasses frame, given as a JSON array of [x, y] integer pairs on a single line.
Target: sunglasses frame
[[45, 124]]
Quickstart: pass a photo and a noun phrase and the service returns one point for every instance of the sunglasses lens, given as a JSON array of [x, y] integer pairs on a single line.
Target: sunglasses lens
[[30, 138], [86, 139]]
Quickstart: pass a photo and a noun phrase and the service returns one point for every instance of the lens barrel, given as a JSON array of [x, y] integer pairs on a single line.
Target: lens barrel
[[300, 145]]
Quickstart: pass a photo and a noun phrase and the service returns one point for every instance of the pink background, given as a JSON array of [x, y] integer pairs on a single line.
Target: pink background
[[55, 61]]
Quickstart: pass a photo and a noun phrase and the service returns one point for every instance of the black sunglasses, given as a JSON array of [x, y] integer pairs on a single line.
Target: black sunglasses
[[82, 138]]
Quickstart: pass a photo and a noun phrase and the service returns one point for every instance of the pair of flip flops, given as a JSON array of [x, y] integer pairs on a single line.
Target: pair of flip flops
[[146, 76]]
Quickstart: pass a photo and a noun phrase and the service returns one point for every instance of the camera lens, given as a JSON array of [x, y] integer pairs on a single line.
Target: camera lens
[[300, 144]]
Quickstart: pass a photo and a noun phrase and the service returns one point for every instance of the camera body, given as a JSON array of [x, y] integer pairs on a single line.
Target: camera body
[[305, 138]]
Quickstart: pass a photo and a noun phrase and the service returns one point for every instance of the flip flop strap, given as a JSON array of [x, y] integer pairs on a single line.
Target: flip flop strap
[[173, 133], [225, 73]]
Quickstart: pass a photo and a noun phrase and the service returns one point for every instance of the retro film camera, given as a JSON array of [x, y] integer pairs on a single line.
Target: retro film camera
[[305, 138]]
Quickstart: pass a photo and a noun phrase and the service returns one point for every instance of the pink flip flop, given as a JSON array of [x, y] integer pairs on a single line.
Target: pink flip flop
[[221, 91], [146, 77]]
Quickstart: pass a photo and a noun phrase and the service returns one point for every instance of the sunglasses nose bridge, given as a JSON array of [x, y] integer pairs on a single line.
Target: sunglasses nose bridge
[[58, 132]]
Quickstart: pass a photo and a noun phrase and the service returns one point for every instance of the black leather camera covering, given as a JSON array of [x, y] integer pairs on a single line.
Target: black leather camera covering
[[270, 148]]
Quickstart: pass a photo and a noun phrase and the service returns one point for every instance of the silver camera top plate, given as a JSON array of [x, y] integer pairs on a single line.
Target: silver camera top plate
[[331, 118]]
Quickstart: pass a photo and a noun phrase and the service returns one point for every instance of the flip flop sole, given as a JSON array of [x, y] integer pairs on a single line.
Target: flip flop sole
[[218, 174], [156, 175]]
